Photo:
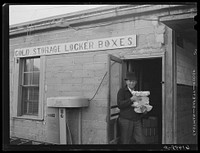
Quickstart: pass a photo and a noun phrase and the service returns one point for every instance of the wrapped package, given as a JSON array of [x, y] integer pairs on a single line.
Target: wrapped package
[[143, 104]]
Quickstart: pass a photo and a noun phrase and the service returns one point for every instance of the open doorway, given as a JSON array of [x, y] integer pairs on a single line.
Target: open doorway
[[149, 73]]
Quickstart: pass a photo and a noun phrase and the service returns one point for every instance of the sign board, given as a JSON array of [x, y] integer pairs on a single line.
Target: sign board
[[80, 46]]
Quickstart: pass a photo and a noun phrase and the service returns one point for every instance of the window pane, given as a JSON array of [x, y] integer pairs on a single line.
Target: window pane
[[34, 94], [35, 107], [30, 107], [28, 66], [36, 77], [36, 66], [25, 94], [27, 78], [31, 94], [25, 107], [30, 100]]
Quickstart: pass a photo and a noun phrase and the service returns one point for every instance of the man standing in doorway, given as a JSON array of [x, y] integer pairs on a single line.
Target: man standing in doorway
[[130, 125]]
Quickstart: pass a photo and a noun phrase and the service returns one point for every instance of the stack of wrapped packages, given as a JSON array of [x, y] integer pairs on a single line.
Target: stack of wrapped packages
[[142, 105]]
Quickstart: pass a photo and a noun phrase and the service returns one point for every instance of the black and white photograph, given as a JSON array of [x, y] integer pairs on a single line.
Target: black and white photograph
[[102, 77]]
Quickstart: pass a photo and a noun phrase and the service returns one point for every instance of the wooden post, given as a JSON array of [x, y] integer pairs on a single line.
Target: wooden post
[[170, 102]]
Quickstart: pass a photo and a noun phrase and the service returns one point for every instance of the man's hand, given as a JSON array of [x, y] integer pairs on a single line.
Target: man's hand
[[135, 98], [143, 109], [135, 104]]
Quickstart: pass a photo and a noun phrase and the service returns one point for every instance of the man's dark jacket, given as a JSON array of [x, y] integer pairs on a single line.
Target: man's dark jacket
[[124, 104]]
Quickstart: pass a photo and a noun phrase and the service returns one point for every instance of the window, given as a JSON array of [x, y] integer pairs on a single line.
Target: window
[[30, 76]]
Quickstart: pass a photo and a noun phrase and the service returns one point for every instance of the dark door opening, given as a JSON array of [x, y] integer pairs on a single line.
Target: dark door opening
[[149, 73]]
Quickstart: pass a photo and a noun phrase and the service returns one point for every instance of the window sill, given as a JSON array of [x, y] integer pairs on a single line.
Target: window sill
[[27, 117]]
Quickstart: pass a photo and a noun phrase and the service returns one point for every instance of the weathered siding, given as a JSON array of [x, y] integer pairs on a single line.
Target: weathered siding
[[185, 122], [186, 63], [186, 68]]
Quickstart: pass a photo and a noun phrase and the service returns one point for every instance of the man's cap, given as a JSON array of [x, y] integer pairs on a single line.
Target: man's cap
[[130, 76]]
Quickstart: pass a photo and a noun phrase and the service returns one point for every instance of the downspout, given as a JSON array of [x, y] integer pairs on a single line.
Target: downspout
[[80, 126]]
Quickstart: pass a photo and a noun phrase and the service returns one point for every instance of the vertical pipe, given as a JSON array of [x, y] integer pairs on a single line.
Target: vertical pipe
[[80, 126], [174, 70], [62, 124], [108, 98]]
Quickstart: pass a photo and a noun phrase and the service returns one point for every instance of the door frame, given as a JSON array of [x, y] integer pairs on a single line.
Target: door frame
[[161, 55], [116, 59]]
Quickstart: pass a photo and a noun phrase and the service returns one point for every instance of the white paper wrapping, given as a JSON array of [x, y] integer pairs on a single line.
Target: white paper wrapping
[[143, 104]]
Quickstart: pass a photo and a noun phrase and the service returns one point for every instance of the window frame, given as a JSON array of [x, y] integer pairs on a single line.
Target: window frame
[[29, 85], [18, 86]]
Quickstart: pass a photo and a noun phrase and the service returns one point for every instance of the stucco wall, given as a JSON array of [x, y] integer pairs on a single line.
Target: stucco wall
[[79, 74]]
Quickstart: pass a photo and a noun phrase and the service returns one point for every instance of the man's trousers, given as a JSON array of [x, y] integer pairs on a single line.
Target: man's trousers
[[130, 132]]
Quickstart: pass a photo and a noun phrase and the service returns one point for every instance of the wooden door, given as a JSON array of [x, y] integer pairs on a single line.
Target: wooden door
[[115, 83]]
